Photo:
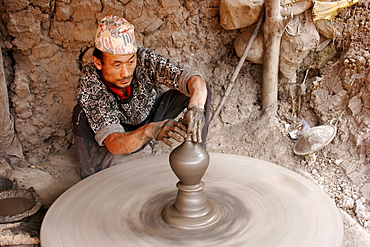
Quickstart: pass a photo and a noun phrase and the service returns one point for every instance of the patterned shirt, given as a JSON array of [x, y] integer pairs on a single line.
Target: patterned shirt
[[106, 112]]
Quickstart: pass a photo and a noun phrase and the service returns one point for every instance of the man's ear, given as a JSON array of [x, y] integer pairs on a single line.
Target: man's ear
[[97, 63]]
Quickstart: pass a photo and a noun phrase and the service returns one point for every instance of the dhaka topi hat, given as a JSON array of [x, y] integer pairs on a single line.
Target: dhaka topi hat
[[115, 35]]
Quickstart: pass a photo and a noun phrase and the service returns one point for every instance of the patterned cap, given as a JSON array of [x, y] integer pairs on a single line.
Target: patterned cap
[[115, 35]]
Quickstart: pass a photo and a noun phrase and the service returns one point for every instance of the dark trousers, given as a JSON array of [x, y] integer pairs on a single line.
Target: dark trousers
[[92, 157]]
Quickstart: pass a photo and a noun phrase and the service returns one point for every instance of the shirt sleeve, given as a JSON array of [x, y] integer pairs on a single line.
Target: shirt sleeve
[[164, 72], [183, 80], [98, 106], [106, 131]]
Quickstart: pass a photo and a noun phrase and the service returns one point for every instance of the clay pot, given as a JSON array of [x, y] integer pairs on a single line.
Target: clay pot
[[189, 162]]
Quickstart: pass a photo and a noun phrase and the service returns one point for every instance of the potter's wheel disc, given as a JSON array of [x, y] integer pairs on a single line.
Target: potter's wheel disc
[[262, 205]]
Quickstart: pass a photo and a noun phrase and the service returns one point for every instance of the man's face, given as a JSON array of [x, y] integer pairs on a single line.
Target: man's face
[[117, 69]]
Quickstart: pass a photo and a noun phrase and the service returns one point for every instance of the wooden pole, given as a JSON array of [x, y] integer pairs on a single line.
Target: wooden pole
[[273, 29], [239, 66]]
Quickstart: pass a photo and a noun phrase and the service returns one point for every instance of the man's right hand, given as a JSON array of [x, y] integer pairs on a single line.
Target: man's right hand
[[128, 142], [167, 129]]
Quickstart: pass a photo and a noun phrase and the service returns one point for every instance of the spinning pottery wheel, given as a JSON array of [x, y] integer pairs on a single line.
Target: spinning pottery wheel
[[246, 202]]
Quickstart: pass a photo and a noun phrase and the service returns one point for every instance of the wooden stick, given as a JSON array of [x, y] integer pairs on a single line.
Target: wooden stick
[[240, 64]]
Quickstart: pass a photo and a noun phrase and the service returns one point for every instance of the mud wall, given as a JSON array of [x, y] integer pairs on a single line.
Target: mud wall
[[342, 91], [45, 43]]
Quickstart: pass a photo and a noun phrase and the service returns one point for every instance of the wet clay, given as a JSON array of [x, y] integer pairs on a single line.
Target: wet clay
[[15, 205], [191, 209], [189, 162]]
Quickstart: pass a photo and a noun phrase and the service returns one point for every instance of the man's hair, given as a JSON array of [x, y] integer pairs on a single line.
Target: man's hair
[[98, 54]]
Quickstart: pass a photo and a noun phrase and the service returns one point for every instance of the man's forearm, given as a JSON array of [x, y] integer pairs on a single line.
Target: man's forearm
[[198, 91], [128, 142]]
